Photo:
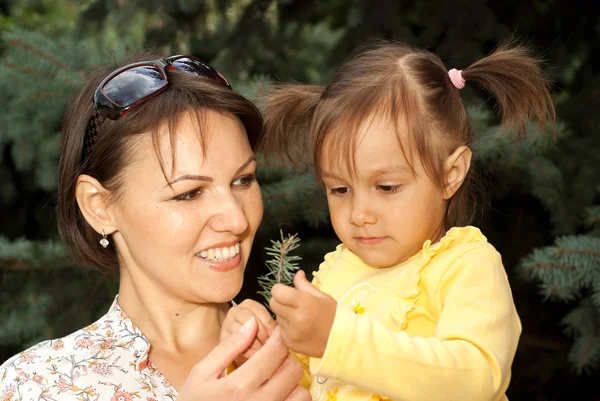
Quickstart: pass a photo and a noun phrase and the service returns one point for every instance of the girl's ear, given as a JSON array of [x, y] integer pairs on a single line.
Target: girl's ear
[[456, 168], [93, 201]]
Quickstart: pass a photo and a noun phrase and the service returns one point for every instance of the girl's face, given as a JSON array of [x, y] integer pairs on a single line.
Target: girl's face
[[190, 239], [386, 212]]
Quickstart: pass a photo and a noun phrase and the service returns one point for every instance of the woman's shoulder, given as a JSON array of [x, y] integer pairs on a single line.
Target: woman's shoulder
[[49, 364], [73, 346], [81, 365]]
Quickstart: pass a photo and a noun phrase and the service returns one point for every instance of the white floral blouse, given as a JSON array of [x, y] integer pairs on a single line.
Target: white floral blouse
[[106, 361]]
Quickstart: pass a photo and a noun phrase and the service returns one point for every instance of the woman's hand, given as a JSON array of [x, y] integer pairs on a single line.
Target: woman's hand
[[240, 314], [272, 374]]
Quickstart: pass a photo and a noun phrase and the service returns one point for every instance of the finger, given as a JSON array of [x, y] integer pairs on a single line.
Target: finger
[[263, 364], [281, 310], [235, 318], [262, 314], [231, 328], [285, 295], [226, 326], [226, 351], [303, 285], [256, 345], [284, 381], [240, 360], [285, 326], [270, 324], [249, 353], [243, 314], [299, 394], [262, 334], [246, 311]]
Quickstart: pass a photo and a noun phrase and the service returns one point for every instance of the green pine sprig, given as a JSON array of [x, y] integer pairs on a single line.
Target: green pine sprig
[[282, 266]]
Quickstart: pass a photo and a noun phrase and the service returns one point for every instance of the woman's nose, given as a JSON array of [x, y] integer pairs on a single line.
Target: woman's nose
[[229, 216]]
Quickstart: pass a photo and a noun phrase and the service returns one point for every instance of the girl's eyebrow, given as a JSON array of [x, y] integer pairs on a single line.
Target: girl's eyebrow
[[398, 168], [325, 174]]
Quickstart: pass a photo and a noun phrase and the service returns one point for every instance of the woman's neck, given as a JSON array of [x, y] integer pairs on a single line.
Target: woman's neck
[[170, 324]]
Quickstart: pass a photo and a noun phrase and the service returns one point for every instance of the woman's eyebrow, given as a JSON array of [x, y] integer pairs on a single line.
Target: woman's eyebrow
[[205, 178]]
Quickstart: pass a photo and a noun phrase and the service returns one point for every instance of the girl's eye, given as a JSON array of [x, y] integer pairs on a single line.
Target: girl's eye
[[339, 191], [390, 189], [245, 181], [191, 195]]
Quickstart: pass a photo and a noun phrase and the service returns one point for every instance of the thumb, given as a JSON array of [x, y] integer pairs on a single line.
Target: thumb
[[302, 284], [213, 365]]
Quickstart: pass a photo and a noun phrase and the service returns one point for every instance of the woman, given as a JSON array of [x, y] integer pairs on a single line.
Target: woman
[[157, 184]]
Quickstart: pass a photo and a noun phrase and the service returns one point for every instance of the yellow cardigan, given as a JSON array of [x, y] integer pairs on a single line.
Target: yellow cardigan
[[440, 326]]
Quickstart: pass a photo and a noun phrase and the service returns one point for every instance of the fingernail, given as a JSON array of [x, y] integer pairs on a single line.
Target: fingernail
[[246, 327]]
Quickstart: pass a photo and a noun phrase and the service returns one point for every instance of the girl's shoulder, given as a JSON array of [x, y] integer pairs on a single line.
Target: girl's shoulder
[[460, 248], [460, 242]]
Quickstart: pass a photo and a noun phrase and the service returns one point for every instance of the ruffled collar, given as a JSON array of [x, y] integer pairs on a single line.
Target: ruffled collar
[[454, 236]]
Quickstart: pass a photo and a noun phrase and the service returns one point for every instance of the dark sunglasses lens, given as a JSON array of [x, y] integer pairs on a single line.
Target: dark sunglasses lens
[[134, 84], [196, 67]]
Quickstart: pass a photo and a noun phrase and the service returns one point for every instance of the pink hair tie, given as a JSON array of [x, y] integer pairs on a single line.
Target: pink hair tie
[[456, 78]]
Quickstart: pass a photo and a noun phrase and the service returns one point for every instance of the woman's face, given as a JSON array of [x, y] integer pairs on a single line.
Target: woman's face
[[190, 239]]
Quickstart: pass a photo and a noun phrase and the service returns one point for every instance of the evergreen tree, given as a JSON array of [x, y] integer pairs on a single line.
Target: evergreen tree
[[569, 271]]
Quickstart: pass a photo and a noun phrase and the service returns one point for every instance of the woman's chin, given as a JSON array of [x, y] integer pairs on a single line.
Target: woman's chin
[[220, 293]]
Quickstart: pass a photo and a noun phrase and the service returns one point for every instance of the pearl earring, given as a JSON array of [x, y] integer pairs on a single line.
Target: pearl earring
[[104, 242]]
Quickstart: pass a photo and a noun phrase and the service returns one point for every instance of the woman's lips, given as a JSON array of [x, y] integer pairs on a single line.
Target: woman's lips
[[224, 265]]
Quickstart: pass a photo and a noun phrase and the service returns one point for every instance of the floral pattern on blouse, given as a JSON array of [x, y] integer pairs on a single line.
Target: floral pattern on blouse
[[106, 361]]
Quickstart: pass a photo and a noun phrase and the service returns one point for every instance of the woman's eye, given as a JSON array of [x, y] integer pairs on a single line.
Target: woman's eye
[[389, 188], [245, 181], [339, 190], [191, 195]]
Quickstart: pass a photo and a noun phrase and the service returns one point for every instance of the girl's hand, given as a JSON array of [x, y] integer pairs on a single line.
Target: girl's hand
[[304, 314], [272, 374], [240, 314]]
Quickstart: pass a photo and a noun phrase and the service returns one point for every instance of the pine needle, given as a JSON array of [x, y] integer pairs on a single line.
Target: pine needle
[[282, 266]]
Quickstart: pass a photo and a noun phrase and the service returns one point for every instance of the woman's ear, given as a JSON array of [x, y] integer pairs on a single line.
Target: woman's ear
[[94, 201], [456, 168]]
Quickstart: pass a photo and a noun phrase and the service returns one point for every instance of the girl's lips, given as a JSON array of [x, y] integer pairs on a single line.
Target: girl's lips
[[222, 266], [370, 240]]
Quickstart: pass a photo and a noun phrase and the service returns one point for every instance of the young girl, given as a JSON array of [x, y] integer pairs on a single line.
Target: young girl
[[414, 304]]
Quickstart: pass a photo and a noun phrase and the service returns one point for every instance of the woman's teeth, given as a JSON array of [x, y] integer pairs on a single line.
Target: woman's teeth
[[220, 254]]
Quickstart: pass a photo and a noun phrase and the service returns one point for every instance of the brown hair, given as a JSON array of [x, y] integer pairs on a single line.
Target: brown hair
[[412, 88], [114, 146]]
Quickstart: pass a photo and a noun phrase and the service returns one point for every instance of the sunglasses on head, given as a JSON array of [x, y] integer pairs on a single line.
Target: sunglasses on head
[[130, 86]]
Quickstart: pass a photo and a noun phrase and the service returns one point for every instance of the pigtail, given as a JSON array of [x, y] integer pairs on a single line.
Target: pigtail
[[515, 79], [288, 111]]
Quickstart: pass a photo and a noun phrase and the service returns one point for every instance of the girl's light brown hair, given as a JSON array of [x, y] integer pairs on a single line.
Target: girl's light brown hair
[[115, 144], [411, 88]]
